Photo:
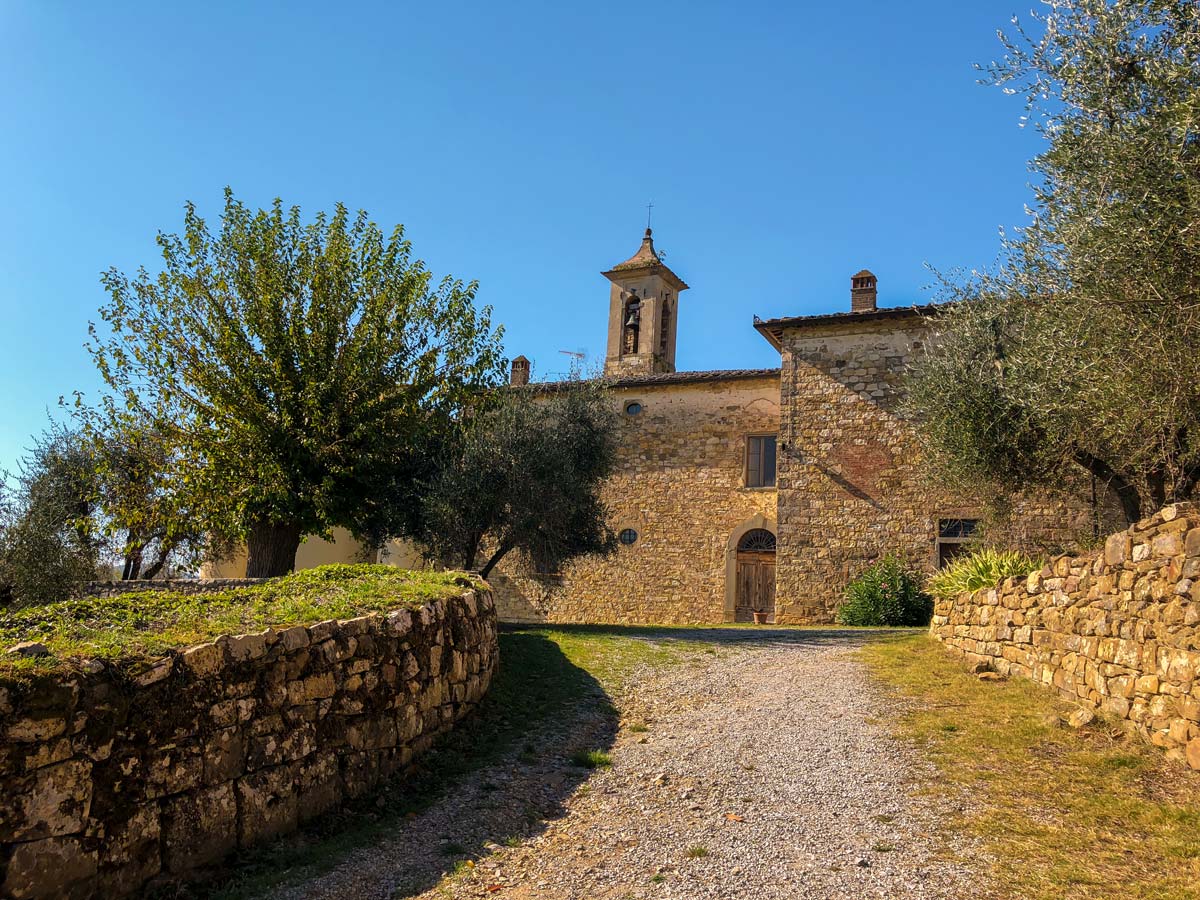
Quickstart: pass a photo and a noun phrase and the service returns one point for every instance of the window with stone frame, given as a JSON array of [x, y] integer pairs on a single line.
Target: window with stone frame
[[760, 461], [953, 537]]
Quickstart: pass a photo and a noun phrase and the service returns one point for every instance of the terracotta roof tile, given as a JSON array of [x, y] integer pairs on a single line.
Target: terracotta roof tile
[[666, 378], [687, 377]]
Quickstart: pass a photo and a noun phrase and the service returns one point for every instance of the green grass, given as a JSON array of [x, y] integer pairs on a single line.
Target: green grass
[[611, 653], [697, 852], [1092, 814], [544, 674], [149, 623], [591, 759]]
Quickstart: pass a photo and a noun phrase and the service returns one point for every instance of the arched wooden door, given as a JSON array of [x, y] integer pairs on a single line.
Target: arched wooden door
[[755, 576]]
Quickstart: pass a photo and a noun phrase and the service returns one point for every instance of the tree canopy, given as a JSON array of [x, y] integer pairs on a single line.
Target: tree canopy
[[523, 473], [297, 368], [1080, 350], [48, 542]]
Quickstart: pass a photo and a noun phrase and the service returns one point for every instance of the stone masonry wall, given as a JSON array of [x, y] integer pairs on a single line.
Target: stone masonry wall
[[679, 483], [117, 777], [1117, 629], [851, 487]]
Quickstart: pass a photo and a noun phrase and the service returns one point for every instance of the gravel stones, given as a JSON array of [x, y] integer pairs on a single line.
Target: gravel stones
[[764, 774]]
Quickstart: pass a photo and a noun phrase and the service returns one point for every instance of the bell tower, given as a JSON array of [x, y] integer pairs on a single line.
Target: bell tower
[[642, 314]]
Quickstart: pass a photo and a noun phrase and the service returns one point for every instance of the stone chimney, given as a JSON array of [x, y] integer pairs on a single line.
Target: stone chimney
[[863, 292], [520, 371]]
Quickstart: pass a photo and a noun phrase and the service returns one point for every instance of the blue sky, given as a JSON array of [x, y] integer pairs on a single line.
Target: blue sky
[[784, 146]]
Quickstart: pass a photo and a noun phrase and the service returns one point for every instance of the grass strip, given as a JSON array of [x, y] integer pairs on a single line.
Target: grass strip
[[150, 623], [1064, 814]]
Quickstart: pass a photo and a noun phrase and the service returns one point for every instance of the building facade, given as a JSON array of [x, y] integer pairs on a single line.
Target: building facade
[[752, 491], [763, 491]]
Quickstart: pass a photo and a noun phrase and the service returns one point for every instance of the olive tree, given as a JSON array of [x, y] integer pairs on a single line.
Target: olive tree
[[48, 538], [146, 501], [522, 472], [1080, 350], [297, 367]]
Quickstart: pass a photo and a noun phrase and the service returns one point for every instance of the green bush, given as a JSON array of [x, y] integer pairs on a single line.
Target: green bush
[[982, 568], [888, 593]]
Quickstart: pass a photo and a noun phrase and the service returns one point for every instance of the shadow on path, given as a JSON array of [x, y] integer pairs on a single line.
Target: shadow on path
[[503, 773], [754, 635]]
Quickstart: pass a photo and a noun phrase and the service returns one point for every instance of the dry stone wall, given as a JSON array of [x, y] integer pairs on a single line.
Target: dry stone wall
[[1116, 630], [115, 778]]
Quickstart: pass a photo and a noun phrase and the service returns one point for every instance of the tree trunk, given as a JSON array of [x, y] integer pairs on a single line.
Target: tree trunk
[[500, 553], [1124, 489], [157, 566], [271, 549], [133, 561]]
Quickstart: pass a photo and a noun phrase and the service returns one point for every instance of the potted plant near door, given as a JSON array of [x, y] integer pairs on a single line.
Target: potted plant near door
[[760, 617]]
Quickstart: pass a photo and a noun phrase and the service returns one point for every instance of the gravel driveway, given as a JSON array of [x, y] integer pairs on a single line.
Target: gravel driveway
[[761, 774]]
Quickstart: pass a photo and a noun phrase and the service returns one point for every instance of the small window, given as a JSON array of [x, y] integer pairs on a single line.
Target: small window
[[627, 536], [760, 461], [957, 528], [633, 408], [954, 535]]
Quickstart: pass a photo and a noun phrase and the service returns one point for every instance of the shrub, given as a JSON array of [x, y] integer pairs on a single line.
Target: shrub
[[981, 568], [888, 593]]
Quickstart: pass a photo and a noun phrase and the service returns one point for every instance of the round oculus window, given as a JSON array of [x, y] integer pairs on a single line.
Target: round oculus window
[[633, 409], [627, 536]]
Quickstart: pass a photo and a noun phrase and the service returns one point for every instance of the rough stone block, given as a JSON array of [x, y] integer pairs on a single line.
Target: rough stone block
[[292, 639], [60, 867], [203, 660], [1166, 545], [199, 828], [130, 854], [274, 749], [320, 785], [224, 756], [174, 770], [40, 728], [53, 801], [246, 647], [268, 801]]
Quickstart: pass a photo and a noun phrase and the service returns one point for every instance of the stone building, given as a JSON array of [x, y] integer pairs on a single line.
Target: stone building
[[749, 490], [760, 489]]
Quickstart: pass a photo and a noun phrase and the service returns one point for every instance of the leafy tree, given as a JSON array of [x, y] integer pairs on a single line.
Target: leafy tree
[[145, 496], [523, 473], [298, 368], [1080, 350], [48, 540]]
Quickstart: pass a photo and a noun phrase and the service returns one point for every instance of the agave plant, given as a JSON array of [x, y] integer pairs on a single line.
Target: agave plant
[[981, 568]]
